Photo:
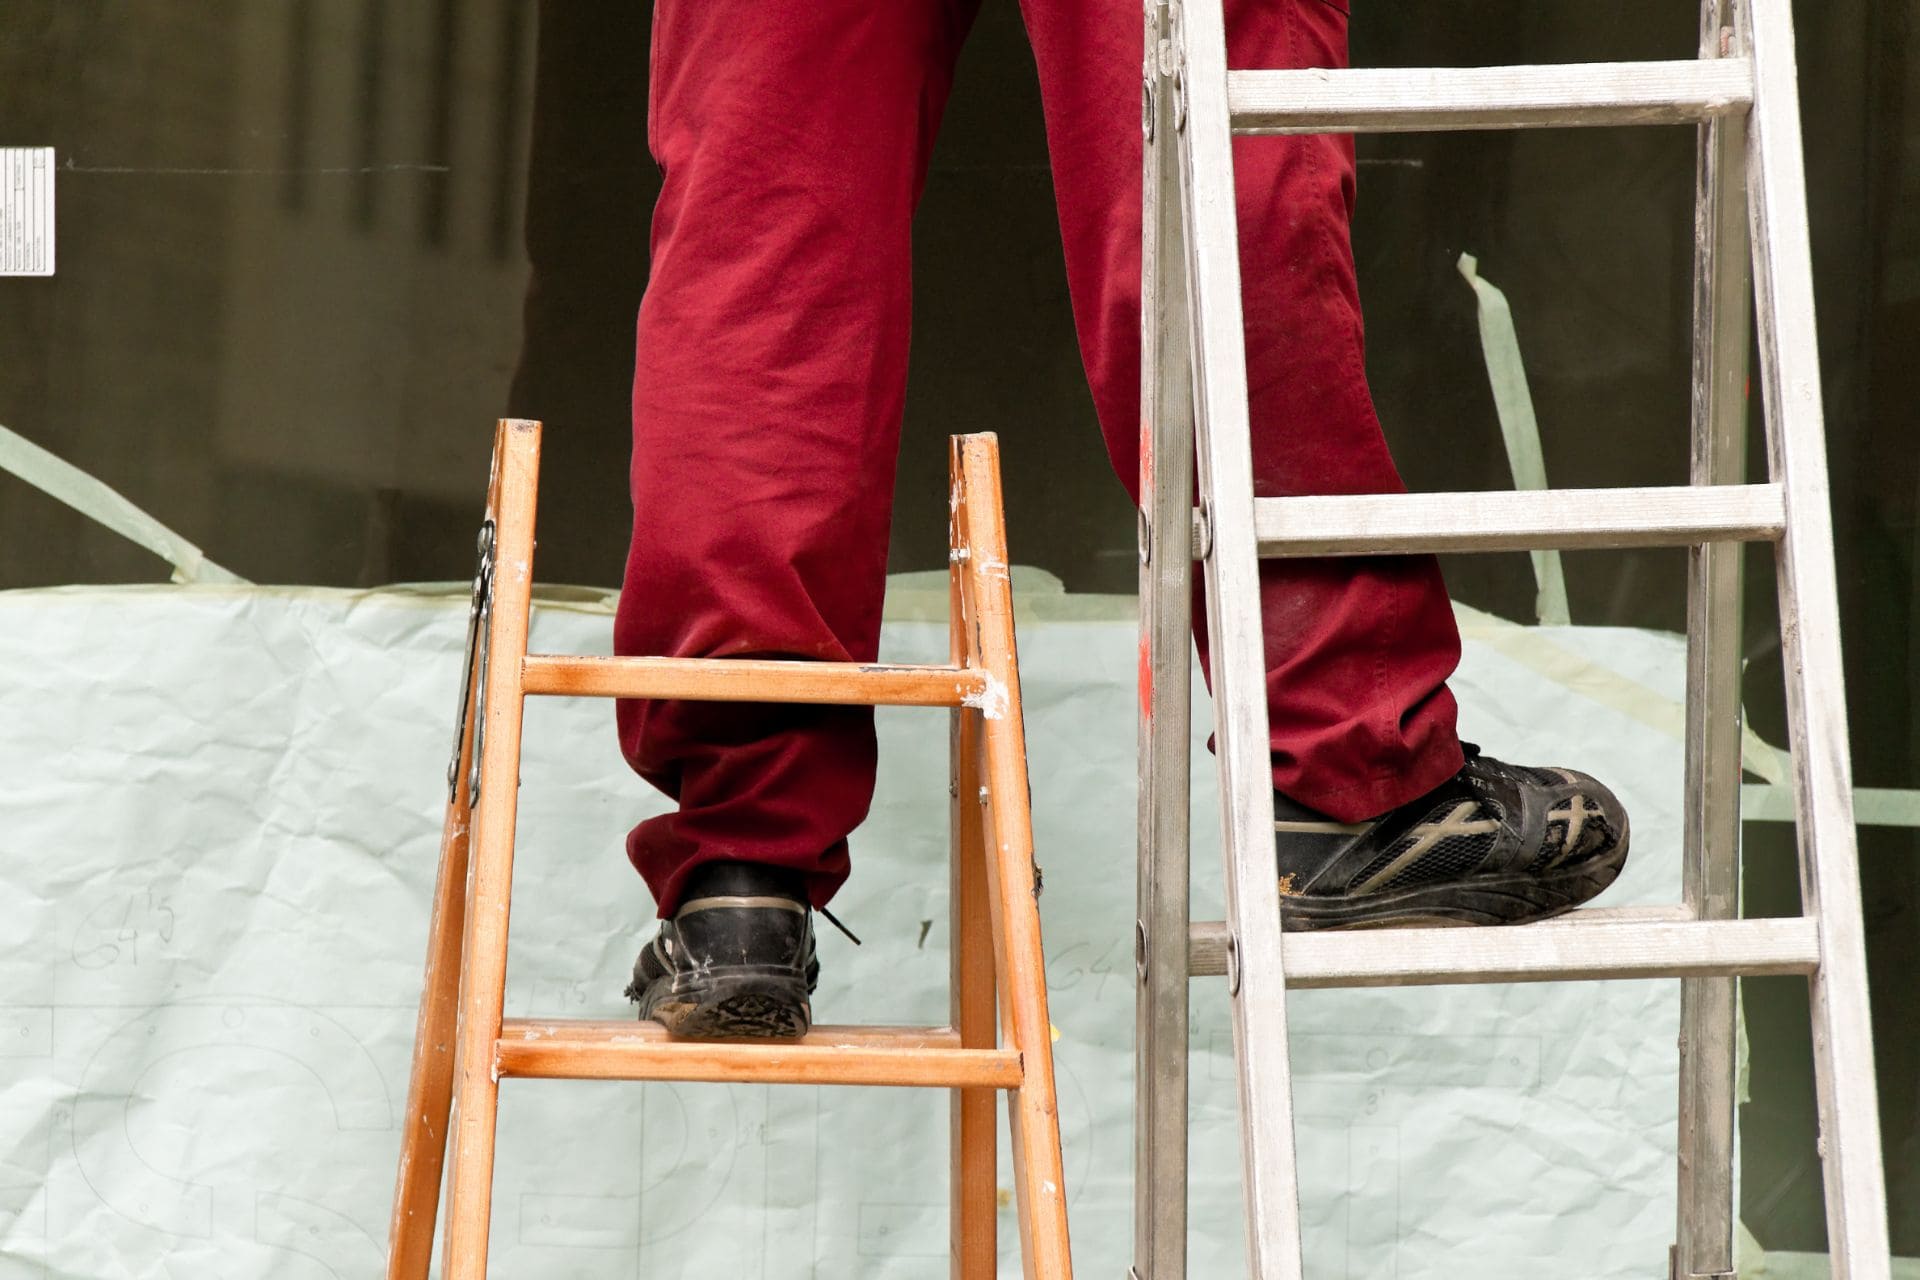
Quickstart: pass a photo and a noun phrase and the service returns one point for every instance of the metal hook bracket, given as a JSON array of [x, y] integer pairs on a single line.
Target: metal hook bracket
[[479, 614]]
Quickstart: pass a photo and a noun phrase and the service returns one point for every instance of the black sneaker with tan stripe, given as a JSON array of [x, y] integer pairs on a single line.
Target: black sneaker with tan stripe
[[1494, 844], [736, 960]]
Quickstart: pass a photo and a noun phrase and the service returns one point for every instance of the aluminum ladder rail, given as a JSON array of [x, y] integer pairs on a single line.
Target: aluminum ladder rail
[[1741, 94], [464, 1045]]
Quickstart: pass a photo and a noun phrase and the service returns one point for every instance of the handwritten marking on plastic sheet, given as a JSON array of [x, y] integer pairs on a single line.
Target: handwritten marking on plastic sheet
[[114, 930]]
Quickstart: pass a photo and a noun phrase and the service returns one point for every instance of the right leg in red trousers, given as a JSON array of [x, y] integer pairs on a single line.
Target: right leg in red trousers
[[1357, 650], [768, 387]]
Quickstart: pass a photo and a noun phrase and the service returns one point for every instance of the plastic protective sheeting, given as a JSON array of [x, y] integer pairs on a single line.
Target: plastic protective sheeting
[[218, 829]]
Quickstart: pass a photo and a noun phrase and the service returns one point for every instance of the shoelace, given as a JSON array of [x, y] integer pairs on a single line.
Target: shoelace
[[835, 922]]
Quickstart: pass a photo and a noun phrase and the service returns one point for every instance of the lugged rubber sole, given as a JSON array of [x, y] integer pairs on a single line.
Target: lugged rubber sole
[[1492, 900], [729, 1004]]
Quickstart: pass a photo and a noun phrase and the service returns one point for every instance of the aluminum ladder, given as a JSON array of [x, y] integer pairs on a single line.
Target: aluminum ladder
[[1741, 93], [464, 1045]]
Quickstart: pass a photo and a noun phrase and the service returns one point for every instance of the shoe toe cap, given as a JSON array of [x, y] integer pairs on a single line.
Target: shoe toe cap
[[1586, 820]]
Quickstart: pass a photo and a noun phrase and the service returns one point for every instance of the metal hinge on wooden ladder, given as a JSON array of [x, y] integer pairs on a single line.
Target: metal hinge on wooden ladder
[[1741, 94]]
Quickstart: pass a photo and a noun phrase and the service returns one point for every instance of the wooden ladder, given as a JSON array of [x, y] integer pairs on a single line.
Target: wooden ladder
[[465, 1045], [1741, 96]]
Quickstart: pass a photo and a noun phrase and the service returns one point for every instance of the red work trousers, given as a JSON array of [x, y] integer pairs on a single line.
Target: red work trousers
[[771, 371]]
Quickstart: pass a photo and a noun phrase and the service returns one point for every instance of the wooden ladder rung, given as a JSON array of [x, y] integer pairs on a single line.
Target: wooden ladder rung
[[634, 1050], [1556, 951], [756, 680]]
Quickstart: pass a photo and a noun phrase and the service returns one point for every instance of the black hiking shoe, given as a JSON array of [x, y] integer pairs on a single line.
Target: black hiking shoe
[[1494, 844], [736, 960]]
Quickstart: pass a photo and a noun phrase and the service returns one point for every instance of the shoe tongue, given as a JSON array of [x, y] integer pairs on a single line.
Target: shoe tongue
[[1287, 809], [745, 880]]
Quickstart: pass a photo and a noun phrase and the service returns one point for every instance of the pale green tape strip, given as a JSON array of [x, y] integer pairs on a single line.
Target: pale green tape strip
[[1872, 806], [1039, 597], [1757, 1263], [1606, 686], [1768, 801], [1500, 344], [91, 498]]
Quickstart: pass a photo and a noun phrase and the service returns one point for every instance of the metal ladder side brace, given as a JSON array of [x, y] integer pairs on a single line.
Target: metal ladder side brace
[[1256, 984], [1810, 643], [1166, 608], [1705, 1212]]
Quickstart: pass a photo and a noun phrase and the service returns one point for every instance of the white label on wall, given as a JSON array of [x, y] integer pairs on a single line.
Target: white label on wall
[[26, 211]]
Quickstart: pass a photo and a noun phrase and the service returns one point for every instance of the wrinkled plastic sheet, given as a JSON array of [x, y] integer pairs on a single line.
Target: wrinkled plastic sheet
[[218, 829]]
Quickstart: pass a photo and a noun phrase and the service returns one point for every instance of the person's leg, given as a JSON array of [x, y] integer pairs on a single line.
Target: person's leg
[[1358, 650], [768, 387], [1381, 816]]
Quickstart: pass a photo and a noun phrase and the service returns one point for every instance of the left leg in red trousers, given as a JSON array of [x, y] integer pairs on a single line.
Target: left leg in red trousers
[[769, 380]]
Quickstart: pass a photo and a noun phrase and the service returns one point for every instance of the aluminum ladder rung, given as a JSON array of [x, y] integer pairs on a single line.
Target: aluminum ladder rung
[[1525, 520], [1555, 951], [1414, 100], [737, 680], [580, 1049]]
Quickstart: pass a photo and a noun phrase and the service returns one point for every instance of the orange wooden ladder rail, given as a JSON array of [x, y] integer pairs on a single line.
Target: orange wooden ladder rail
[[999, 1037]]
